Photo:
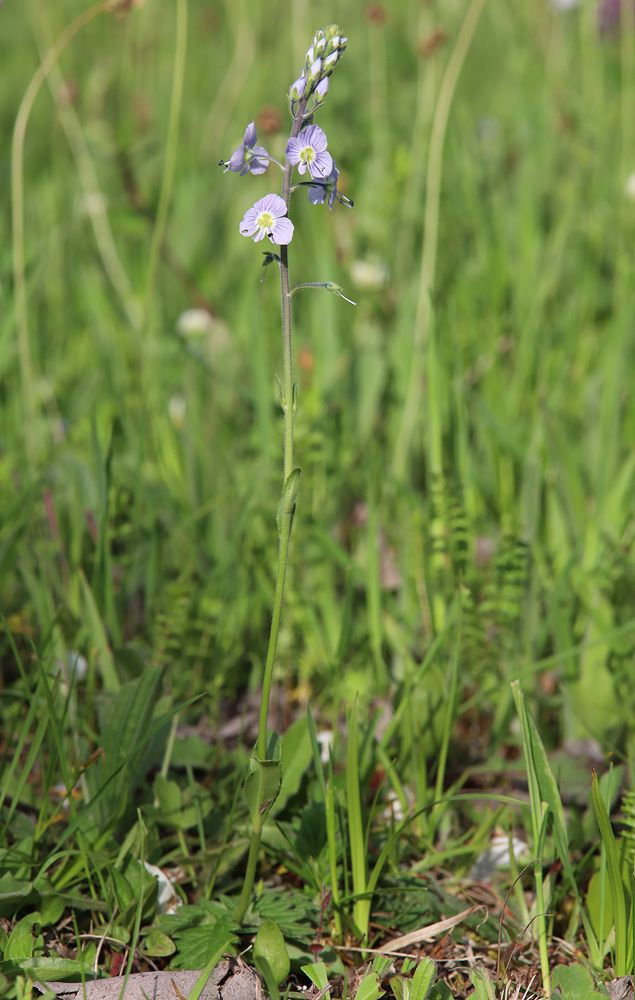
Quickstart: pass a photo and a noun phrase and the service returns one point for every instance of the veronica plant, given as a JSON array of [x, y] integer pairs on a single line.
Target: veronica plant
[[306, 149]]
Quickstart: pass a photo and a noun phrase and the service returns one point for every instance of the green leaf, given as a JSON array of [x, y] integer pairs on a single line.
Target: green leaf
[[369, 988], [573, 980], [400, 987], [423, 979], [56, 969], [262, 783], [198, 945], [290, 491], [357, 839], [156, 943], [21, 941], [270, 952], [128, 727], [51, 909], [620, 913], [482, 984], [123, 891], [14, 890], [295, 758], [317, 973]]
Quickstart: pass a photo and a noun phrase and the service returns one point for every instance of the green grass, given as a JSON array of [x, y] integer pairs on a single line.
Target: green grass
[[465, 516]]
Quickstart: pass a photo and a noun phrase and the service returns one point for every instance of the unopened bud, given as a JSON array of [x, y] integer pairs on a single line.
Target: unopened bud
[[332, 286], [296, 90], [322, 88], [330, 61], [314, 71], [332, 31]]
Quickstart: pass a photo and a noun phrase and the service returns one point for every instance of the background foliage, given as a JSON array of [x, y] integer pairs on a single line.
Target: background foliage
[[465, 515]]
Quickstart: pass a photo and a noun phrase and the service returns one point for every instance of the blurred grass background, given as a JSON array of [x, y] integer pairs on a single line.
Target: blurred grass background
[[140, 465]]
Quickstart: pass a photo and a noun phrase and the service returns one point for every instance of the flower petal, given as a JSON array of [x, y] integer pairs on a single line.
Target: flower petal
[[282, 231], [293, 150], [236, 160], [314, 136], [321, 165], [271, 203], [316, 193], [249, 139]]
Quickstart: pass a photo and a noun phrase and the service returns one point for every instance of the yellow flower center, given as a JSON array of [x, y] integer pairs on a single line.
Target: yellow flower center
[[265, 220]]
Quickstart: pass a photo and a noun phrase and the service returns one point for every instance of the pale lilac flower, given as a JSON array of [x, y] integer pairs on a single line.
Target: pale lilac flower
[[308, 150], [317, 192], [267, 218], [248, 158]]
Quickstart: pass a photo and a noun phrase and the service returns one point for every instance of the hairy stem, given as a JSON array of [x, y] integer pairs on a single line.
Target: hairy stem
[[288, 410], [285, 518]]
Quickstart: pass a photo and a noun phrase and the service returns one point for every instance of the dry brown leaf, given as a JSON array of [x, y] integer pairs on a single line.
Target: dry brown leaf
[[427, 933]]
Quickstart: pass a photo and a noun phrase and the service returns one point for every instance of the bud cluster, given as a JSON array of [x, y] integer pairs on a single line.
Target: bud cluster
[[322, 55]]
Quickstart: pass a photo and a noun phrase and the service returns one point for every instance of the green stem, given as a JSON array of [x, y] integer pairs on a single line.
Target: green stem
[[284, 522], [283, 556], [250, 875], [288, 410]]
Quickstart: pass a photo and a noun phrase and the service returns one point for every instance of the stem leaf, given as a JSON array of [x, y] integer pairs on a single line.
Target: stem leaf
[[263, 781]]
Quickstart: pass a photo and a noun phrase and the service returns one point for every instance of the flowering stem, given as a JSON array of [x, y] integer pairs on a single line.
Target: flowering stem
[[285, 520], [288, 410]]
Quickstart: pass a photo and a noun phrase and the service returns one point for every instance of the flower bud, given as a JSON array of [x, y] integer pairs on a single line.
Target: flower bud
[[314, 71], [296, 90], [319, 44], [322, 88], [332, 286], [332, 31]]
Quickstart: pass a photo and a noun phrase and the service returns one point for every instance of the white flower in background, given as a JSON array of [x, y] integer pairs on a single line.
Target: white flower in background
[[76, 665], [629, 187], [565, 4], [496, 855], [177, 406], [325, 743], [193, 322], [168, 900], [92, 203], [371, 272]]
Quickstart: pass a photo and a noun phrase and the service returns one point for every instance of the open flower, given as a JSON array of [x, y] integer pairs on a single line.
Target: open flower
[[267, 218], [318, 192], [248, 158], [308, 151]]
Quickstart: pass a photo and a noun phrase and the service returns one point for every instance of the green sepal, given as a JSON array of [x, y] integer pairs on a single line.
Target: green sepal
[[263, 781]]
